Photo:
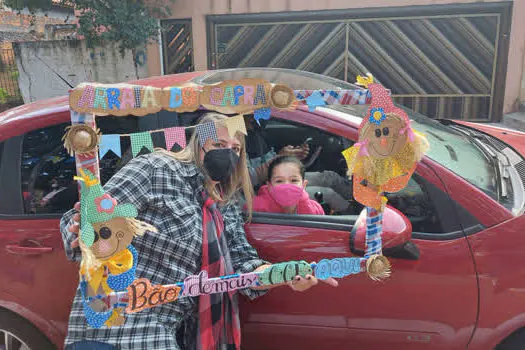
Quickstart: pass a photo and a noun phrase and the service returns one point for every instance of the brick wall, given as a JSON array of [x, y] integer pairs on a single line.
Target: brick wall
[[12, 21]]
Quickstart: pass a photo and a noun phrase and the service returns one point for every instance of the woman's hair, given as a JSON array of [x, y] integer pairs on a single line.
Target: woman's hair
[[283, 160], [240, 178]]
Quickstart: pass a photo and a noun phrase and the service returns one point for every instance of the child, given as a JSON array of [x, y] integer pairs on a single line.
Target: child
[[285, 190]]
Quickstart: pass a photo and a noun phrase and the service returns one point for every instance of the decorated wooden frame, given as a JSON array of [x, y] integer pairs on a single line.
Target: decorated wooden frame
[[109, 286]]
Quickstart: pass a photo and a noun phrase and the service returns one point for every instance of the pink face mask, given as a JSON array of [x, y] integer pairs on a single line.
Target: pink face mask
[[286, 195]]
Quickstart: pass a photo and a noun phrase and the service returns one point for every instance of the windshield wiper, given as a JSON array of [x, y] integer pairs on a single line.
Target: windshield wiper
[[492, 157]]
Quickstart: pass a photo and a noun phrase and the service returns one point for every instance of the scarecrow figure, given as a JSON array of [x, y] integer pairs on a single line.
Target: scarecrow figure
[[383, 160], [109, 260]]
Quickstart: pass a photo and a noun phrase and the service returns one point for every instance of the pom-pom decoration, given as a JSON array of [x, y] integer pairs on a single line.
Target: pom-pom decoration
[[81, 139]]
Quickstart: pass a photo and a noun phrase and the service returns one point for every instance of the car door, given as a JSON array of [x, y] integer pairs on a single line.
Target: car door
[[37, 187], [36, 279], [429, 303]]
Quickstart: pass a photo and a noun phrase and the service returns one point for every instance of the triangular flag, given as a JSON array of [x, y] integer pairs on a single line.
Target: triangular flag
[[261, 113], [109, 143], [235, 124], [206, 131], [176, 135], [139, 140]]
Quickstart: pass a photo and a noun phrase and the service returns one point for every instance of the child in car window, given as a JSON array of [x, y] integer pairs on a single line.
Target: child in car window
[[285, 191]]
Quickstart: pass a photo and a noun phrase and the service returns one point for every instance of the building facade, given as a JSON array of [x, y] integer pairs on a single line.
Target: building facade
[[445, 58]]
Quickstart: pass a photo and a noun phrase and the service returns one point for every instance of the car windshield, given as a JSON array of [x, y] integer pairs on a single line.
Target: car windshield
[[448, 147], [297, 80]]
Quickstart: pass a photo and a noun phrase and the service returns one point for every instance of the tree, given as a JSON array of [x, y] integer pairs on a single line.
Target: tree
[[129, 23]]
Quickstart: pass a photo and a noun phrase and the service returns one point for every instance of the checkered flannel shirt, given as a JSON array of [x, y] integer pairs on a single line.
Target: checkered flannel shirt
[[166, 193]]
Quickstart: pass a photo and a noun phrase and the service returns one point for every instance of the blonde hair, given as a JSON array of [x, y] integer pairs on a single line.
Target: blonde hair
[[240, 179]]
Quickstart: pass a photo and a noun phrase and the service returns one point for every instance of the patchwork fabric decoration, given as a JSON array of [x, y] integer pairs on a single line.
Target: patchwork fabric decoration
[[382, 160], [109, 260], [333, 97], [175, 135], [206, 131], [139, 141]]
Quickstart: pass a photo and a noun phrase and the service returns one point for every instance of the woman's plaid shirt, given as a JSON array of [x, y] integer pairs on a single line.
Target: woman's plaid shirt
[[166, 193]]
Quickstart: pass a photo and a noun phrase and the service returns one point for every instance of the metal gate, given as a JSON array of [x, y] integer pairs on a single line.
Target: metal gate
[[446, 61], [10, 95], [177, 46]]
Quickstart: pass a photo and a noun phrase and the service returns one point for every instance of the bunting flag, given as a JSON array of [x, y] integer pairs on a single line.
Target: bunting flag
[[206, 131], [336, 97], [235, 124], [140, 140], [109, 143], [262, 113], [176, 135], [315, 100]]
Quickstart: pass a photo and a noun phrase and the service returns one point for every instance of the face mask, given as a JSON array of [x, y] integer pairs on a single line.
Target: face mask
[[220, 163], [286, 195]]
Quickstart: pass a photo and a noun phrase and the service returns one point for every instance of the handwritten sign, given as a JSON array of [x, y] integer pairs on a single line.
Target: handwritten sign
[[231, 96], [338, 267], [142, 295], [200, 284]]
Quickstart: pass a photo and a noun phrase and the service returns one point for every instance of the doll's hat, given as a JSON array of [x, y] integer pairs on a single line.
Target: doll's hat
[[381, 103], [98, 206]]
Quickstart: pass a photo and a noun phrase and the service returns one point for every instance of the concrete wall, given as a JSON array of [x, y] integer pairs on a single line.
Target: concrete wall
[[198, 9], [522, 93], [44, 65]]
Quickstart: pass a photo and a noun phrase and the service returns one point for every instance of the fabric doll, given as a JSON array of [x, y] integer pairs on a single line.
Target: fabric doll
[[109, 260]]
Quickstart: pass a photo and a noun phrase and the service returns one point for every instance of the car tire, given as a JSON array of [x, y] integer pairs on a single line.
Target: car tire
[[515, 341], [23, 331]]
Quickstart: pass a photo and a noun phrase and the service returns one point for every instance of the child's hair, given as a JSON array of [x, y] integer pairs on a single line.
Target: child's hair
[[283, 160]]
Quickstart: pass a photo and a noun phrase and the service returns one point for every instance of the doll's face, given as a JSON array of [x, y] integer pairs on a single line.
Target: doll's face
[[384, 140], [111, 237]]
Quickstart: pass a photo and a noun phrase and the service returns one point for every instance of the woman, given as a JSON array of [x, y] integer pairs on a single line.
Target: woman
[[176, 193]]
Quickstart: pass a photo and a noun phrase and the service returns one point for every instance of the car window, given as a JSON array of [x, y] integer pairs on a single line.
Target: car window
[[47, 172], [1, 153], [47, 169], [327, 180]]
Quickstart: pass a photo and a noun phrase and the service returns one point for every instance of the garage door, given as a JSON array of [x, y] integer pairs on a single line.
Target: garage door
[[446, 61]]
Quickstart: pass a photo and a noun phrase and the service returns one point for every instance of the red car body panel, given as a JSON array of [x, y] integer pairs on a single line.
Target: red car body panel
[[466, 291], [499, 261]]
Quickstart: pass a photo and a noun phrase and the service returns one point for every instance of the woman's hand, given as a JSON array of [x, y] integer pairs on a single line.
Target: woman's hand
[[75, 226], [300, 284], [301, 152]]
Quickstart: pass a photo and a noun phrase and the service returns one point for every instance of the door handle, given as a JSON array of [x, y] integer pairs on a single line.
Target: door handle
[[16, 249]]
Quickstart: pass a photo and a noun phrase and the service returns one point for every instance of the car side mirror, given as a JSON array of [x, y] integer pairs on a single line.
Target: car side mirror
[[396, 237]]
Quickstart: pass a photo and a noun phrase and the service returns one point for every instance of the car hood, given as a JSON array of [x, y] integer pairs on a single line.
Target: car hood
[[514, 138]]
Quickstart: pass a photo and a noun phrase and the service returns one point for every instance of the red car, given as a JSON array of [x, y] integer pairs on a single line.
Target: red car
[[455, 236]]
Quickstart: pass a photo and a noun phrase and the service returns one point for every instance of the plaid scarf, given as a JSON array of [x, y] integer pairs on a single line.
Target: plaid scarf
[[219, 325]]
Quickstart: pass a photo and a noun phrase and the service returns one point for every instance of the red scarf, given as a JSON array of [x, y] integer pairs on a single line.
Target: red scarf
[[219, 325]]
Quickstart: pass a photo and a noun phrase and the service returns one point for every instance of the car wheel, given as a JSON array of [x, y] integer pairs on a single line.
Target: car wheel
[[17, 333], [515, 341]]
